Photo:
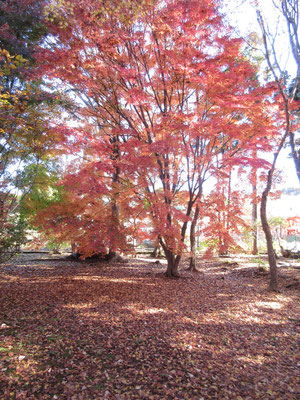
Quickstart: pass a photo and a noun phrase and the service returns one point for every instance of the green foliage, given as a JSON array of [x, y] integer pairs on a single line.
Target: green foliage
[[27, 138], [43, 192], [277, 222], [12, 236], [22, 26], [261, 264], [25, 147], [18, 212], [53, 245], [259, 261]]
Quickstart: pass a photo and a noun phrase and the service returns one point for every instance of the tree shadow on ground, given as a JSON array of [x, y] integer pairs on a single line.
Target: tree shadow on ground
[[122, 332]]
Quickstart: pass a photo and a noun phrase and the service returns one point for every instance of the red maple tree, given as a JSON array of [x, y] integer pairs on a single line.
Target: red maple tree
[[164, 91]]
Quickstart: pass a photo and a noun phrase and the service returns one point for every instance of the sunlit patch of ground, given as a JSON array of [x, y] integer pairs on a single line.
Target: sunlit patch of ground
[[71, 330]]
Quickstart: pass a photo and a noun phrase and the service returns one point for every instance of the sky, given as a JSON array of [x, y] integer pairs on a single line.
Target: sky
[[242, 16]]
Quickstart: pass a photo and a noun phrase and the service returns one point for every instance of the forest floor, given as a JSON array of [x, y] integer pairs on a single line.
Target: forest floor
[[82, 330]]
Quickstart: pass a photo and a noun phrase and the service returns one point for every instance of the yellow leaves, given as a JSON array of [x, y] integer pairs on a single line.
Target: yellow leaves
[[3, 101], [270, 392], [10, 63], [58, 11], [20, 59], [5, 53]]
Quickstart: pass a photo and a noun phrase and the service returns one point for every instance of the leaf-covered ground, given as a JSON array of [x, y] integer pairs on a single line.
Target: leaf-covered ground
[[72, 330]]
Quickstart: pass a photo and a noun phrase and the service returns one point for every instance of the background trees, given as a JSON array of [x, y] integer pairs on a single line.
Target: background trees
[[164, 100], [26, 109]]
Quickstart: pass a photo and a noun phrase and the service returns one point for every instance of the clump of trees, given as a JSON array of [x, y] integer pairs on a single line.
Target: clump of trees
[[164, 101]]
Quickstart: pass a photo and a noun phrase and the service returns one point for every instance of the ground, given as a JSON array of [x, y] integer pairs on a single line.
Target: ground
[[71, 330]]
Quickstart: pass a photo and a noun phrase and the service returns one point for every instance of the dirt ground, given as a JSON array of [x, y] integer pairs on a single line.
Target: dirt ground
[[88, 330]]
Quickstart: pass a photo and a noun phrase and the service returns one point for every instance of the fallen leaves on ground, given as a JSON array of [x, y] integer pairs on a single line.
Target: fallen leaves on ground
[[78, 331]]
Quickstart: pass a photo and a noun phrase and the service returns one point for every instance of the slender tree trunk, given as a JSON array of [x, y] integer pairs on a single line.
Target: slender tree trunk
[[263, 206], [172, 258], [254, 222], [254, 230], [226, 214], [114, 223], [266, 228], [192, 266], [254, 250], [156, 252]]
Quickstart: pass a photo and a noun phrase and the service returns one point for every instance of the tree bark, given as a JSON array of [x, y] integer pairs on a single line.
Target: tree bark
[[266, 228], [254, 223], [254, 233], [112, 254], [114, 227], [156, 252], [173, 263], [192, 266]]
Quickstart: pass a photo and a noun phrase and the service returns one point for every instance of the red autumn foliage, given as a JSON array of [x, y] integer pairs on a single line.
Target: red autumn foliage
[[163, 90]]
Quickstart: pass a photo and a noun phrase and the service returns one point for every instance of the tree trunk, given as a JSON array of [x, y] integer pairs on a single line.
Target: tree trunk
[[173, 263], [75, 254], [174, 259], [156, 252], [254, 225], [266, 228], [192, 266], [254, 206], [286, 108], [112, 254], [115, 212]]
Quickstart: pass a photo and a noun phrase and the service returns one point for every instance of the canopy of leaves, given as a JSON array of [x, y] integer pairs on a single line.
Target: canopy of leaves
[[161, 95]]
